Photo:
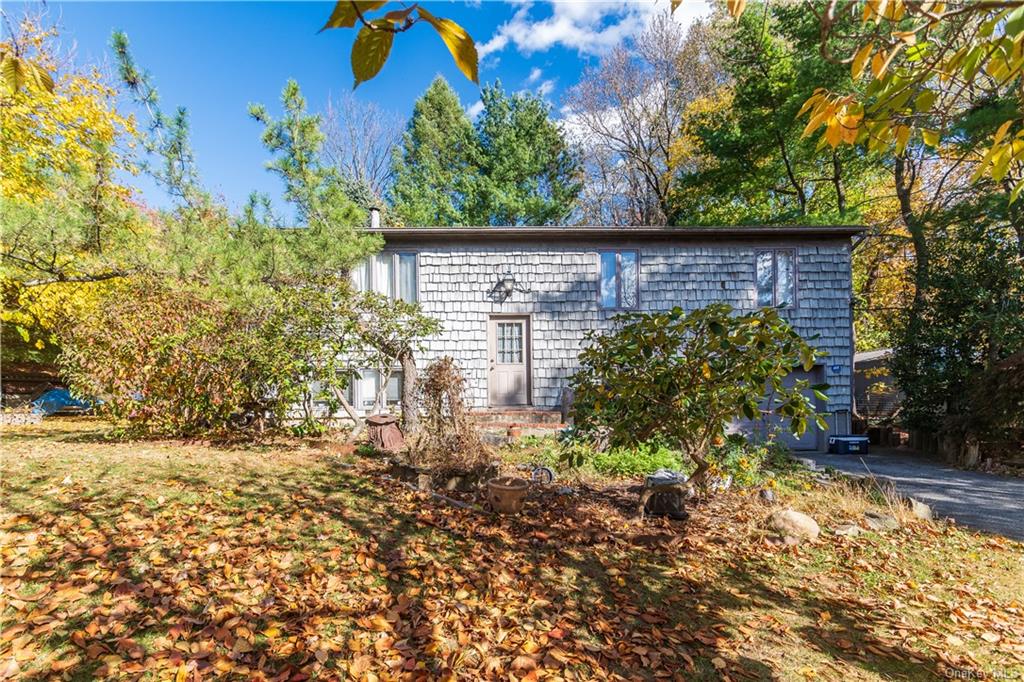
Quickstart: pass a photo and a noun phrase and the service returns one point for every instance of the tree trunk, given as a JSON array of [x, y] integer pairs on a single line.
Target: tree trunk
[[837, 182], [410, 395], [905, 175], [357, 423], [700, 473]]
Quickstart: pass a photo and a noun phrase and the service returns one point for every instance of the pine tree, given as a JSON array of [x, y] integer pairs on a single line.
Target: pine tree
[[437, 166], [528, 175]]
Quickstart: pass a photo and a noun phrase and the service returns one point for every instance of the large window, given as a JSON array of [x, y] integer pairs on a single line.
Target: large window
[[620, 281], [776, 277], [390, 274]]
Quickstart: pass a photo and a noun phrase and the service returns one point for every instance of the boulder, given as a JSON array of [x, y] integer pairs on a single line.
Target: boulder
[[766, 495], [920, 510], [794, 526], [881, 522]]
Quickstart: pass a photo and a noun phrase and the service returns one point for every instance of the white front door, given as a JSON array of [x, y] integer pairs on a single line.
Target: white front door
[[508, 348]]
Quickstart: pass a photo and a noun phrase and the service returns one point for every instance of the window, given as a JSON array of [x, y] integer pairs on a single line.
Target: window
[[619, 286], [367, 386], [390, 274], [509, 338], [776, 277]]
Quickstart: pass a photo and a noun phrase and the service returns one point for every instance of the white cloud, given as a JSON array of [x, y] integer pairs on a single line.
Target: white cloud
[[588, 27], [546, 88], [474, 109], [534, 76]]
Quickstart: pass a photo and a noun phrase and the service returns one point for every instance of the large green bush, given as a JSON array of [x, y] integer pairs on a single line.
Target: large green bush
[[681, 377]]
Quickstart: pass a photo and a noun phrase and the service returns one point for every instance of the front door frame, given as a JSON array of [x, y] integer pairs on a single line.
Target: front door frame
[[492, 321]]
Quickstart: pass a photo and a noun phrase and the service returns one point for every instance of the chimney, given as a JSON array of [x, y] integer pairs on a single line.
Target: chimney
[[374, 218]]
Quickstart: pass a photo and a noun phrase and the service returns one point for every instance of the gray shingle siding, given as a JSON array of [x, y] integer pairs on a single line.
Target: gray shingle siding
[[454, 281]]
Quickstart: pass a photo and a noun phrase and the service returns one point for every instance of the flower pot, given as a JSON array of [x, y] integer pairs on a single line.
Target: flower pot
[[507, 494]]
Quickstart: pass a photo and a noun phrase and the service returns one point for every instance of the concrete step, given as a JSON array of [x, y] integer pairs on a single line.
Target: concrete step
[[508, 416]]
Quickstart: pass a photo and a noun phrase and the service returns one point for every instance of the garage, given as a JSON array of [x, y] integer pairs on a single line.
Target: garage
[[812, 438]]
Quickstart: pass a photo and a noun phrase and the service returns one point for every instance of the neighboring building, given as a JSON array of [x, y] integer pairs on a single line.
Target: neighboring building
[[515, 303], [876, 397]]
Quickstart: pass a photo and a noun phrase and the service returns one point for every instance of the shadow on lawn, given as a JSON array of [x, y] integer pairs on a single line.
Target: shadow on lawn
[[557, 567]]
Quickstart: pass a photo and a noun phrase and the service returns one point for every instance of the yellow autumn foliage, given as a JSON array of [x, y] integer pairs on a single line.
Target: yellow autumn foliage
[[70, 130]]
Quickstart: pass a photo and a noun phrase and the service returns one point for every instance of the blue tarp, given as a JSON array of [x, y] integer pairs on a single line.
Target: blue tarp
[[56, 399]]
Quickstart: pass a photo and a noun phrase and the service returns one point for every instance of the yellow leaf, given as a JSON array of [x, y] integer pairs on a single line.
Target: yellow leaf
[[459, 43], [860, 59], [1001, 132], [908, 37], [817, 120], [271, 632], [808, 104], [370, 50], [902, 137], [833, 132], [344, 14], [877, 64], [399, 16], [1016, 192], [182, 674], [736, 7], [675, 5], [931, 138]]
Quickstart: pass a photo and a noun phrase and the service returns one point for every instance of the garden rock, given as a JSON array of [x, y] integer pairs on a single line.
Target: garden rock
[[920, 510], [879, 522], [848, 529], [767, 496], [719, 483], [664, 493], [794, 526]]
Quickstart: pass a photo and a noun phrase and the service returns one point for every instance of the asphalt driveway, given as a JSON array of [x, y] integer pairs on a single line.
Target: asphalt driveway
[[983, 501]]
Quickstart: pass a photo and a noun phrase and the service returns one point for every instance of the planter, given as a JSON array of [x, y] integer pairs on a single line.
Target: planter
[[384, 434], [513, 433], [507, 494]]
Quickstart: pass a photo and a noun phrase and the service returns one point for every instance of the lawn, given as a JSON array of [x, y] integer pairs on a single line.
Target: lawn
[[294, 559]]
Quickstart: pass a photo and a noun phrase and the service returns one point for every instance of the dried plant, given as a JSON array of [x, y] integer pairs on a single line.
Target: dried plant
[[449, 439]]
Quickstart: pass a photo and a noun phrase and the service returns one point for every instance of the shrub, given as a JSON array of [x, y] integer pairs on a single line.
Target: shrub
[[639, 460], [449, 440], [681, 378]]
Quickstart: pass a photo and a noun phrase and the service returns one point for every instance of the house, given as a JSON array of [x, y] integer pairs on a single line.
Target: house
[[516, 302]]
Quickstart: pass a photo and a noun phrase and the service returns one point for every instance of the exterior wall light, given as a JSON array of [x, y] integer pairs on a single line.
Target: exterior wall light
[[505, 287]]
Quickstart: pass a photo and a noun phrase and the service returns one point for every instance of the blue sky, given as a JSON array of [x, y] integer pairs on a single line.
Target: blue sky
[[214, 58]]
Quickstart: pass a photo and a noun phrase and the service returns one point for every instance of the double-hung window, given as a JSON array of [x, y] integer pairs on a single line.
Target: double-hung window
[[367, 388], [390, 274], [620, 279], [776, 277]]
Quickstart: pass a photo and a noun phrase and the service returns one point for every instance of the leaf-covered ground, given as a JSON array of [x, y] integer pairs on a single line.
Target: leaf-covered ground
[[292, 561]]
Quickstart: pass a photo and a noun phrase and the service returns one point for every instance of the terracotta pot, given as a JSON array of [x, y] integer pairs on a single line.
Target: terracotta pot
[[507, 494]]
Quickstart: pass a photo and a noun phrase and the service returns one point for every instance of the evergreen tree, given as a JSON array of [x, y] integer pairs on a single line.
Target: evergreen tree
[[751, 161], [527, 174], [437, 166]]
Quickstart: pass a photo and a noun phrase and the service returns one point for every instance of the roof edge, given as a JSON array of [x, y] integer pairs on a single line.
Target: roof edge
[[605, 233]]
